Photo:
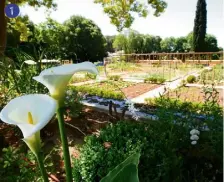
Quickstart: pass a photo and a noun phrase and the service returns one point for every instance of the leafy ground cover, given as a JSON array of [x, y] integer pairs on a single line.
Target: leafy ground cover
[[213, 76], [193, 94], [116, 90]]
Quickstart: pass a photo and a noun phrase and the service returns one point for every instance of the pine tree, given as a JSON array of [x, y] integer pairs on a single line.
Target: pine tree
[[199, 31]]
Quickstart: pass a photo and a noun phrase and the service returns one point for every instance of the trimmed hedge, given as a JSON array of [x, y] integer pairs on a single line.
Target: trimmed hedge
[[99, 92]]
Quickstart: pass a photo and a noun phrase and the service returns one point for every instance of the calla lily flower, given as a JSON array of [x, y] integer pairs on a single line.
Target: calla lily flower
[[30, 113], [56, 78]]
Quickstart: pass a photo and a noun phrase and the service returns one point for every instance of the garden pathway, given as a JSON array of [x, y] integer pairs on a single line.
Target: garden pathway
[[159, 91]]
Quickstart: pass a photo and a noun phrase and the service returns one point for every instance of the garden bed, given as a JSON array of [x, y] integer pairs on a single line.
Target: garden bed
[[213, 76], [116, 89], [138, 89], [193, 94]]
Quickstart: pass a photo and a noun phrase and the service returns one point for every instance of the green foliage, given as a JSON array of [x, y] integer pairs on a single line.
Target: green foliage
[[123, 66], [83, 39], [109, 41], [211, 44], [76, 38], [72, 104], [166, 152], [76, 79], [126, 171], [191, 79], [154, 79], [200, 24], [121, 13], [90, 76], [101, 92], [213, 76], [115, 78], [17, 78], [51, 33], [168, 44], [17, 166], [134, 42], [121, 43]]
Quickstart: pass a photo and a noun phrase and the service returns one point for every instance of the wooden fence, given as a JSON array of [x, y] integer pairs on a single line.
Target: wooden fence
[[191, 57]]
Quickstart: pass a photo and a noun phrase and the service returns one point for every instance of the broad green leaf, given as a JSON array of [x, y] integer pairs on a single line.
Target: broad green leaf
[[127, 171]]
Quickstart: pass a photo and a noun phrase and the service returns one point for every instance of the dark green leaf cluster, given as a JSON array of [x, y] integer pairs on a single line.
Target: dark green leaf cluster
[[154, 79], [101, 92], [191, 79], [165, 147], [200, 25]]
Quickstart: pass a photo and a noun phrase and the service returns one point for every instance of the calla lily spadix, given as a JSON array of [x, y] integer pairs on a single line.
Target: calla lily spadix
[[30, 113], [56, 78]]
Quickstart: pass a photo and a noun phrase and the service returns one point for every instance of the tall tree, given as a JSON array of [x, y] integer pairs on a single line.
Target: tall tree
[[109, 41], [121, 12], [83, 40], [199, 31], [121, 43], [4, 19]]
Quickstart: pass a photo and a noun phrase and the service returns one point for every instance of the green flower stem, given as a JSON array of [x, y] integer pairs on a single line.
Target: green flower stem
[[39, 156], [64, 142]]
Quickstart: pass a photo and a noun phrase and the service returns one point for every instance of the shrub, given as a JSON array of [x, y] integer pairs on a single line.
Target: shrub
[[191, 79], [115, 78], [76, 79], [90, 76], [154, 79], [72, 103], [101, 92], [124, 66], [166, 152], [17, 166]]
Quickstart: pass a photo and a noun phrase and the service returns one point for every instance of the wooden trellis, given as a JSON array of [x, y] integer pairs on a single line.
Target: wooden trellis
[[189, 58]]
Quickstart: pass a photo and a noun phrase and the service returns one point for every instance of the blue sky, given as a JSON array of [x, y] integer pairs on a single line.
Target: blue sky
[[178, 19]]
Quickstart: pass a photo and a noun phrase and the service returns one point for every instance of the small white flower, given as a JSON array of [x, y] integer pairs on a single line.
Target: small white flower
[[194, 142], [194, 132], [194, 137], [132, 109]]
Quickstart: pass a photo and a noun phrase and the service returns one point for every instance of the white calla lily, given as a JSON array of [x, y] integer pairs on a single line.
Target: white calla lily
[[56, 78], [30, 113]]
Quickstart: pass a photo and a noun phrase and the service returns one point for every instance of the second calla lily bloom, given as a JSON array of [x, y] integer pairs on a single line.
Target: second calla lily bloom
[[30, 113], [56, 78]]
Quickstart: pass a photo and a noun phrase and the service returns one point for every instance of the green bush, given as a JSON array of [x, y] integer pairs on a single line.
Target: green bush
[[124, 66], [154, 79], [90, 76], [166, 152], [17, 166], [99, 92], [76, 79], [191, 79], [115, 78], [72, 104]]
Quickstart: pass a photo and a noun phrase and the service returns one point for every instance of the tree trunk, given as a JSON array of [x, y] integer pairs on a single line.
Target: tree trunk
[[2, 27]]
